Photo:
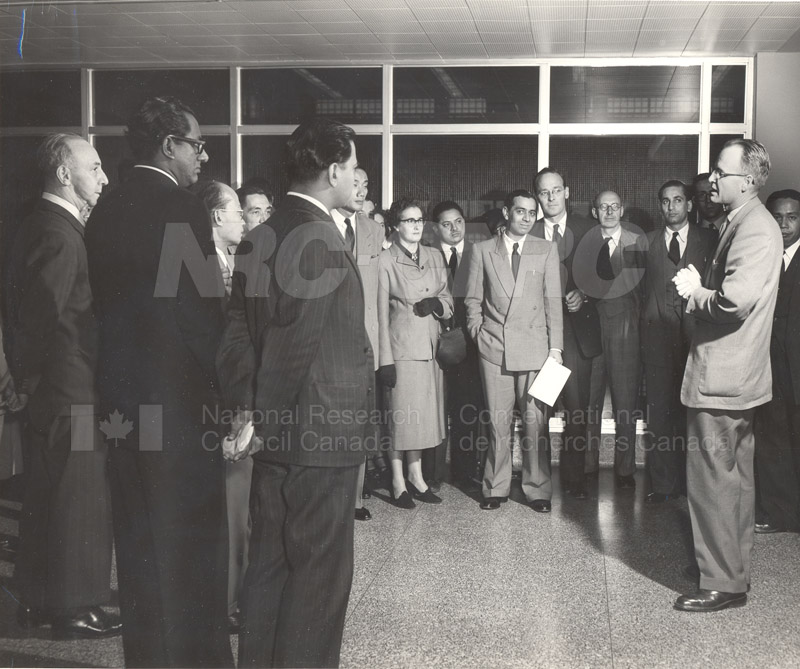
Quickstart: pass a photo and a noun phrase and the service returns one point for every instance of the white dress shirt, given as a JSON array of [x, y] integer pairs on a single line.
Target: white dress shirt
[[550, 226], [683, 234], [510, 247], [788, 254], [447, 252], [338, 219], [158, 169], [310, 199], [61, 202], [614, 243]]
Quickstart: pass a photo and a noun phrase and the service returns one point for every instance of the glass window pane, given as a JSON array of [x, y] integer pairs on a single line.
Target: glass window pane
[[19, 186], [117, 158], [291, 96], [727, 93], [632, 166], [625, 94], [261, 157], [40, 98], [715, 146], [475, 171], [466, 95], [118, 94]]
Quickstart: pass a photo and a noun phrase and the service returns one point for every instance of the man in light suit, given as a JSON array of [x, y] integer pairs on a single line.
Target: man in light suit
[[728, 375], [666, 332], [581, 325], [462, 381], [513, 304], [778, 422], [364, 238], [608, 267], [297, 353], [63, 568]]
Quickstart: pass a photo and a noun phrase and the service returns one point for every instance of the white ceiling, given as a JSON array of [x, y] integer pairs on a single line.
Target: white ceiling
[[386, 31]]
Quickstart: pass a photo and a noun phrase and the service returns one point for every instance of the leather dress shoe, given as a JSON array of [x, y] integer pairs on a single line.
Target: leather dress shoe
[[626, 482], [363, 514], [435, 485], [28, 617], [768, 528], [657, 498], [404, 501], [235, 622], [541, 505], [710, 600], [91, 623], [427, 496], [490, 503]]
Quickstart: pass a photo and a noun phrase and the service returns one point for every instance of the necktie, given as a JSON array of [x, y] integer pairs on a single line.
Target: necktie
[[556, 234], [674, 253], [604, 269], [349, 236], [515, 260], [453, 262], [711, 226], [227, 278]]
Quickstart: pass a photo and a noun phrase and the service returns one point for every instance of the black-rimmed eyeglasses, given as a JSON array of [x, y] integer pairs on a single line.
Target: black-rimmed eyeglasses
[[199, 145]]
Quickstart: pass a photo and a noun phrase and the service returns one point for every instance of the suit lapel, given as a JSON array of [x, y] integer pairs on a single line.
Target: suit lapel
[[538, 229], [58, 210], [502, 266]]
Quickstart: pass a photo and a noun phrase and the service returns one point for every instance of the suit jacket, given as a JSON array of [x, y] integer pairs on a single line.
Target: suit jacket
[[53, 342], [515, 323], [369, 245], [403, 334], [158, 296], [621, 295], [785, 353], [296, 349], [665, 335], [457, 284], [728, 365], [584, 323]]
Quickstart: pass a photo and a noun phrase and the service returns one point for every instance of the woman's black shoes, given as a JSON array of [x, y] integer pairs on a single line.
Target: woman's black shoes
[[428, 497], [404, 501]]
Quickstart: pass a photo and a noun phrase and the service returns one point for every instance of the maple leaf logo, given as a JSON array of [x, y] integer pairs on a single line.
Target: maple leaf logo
[[116, 428]]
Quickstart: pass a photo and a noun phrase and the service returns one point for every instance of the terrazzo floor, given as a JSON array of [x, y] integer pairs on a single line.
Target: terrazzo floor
[[589, 585]]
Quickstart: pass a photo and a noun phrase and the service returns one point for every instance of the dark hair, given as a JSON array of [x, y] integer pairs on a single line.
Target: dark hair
[[547, 170], [442, 207], [314, 146], [755, 159], [514, 194], [785, 194], [156, 118], [675, 183], [254, 187], [397, 208], [53, 151]]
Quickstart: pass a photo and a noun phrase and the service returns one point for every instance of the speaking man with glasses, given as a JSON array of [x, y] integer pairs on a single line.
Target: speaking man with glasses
[[157, 289], [728, 375], [608, 267], [581, 324]]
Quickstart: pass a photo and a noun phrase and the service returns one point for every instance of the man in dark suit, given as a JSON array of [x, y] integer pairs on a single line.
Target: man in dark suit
[[728, 375], [778, 422], [708, 213], [464, 394], [608, 266], [513, 304], [666, 332], [63, 568], [581, 325], [158, 294], [296, 355], [364, 238]]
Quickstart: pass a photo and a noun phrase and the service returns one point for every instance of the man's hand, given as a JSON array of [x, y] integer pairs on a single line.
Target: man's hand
[[574, 300], [240, 423], [687, 281], [387, 376], [555, 354], [428, 306]]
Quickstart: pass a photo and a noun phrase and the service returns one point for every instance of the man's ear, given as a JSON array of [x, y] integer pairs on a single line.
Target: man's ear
[[689, 205], [333, 174], [167, 147], [566, 192], [594, 213], [63, 175], [505, 213]]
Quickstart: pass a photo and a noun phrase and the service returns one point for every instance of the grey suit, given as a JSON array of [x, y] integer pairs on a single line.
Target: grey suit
[[727, 376], [515, 323]]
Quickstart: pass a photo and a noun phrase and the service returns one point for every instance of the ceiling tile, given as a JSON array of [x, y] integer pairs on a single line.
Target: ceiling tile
[[358, 5], [600, 9], [163, 18], [135, 31], [443, 14], [660, 39], [184, 29], [404, 15], [552, 11], [411, 48], [330, 16], [735, 9], [771, 35], [201, 40], [688, 10], [288, 28], [246, 41], [507, 38], [511, 51], [463, 51], [719, 35], [237, 29], [100, 41], [725, 23], [782, 9], [361, 49], [612, 26], [404, 38], [147, 42], [352, 38], [302, 40], [342, 28], [497, 26], [560, 49], [442, 39], [443, 27], [558, 31], [431, 3], [670, 24], [378, 26], [500, 11], [777, 22], [205, 18], [317, 4], [756, 45], [265, 14]]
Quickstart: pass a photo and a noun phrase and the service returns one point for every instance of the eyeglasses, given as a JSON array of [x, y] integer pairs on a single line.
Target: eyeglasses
[[198, 144], [414, 221], [452, 225], [721, 175], [604, 207], [239, 212], [544, 194]]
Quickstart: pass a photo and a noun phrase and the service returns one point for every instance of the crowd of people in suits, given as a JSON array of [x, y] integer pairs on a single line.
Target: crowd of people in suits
[[342, 348]]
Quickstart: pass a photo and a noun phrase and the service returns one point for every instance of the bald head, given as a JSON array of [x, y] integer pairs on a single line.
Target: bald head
[[71, 169]]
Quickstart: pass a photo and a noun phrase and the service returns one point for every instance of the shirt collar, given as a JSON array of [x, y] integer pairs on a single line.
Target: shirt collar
[[310, 199], [222, 255], [158, 169], [446, 248], [683, 233], [510, 243], [789, 251], [65, 204], [732, 213], [614, 237], [561, 221]]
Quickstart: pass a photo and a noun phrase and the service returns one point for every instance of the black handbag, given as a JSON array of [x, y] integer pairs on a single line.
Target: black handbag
[[452, 347]]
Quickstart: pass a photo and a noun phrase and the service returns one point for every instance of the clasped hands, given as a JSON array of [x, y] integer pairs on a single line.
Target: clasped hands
[[241, 425], [687, 281]]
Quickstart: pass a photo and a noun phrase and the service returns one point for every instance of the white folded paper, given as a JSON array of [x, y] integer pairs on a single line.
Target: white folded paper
[[549, 382], [231, 447]]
